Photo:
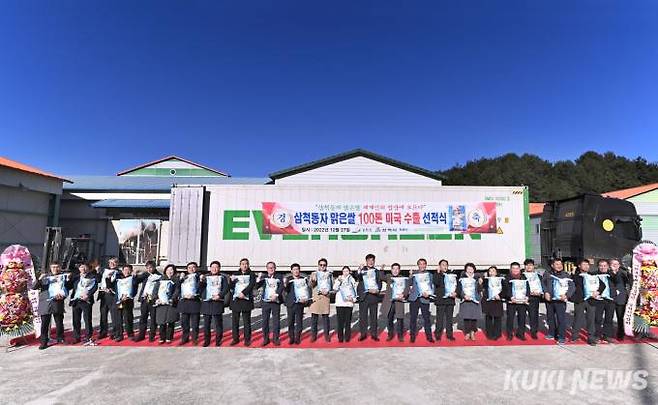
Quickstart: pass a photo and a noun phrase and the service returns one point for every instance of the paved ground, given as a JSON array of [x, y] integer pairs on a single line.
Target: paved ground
[[96, 375]]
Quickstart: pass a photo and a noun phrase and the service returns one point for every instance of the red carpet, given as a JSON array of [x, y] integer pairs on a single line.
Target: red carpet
[[257, 339]]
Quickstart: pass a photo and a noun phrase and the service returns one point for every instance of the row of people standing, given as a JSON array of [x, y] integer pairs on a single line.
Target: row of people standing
[[169, 297]]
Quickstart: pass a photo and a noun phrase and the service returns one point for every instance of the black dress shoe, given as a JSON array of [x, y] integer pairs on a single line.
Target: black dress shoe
[[234, 342], [430, 339], [137, 339], [277, 343], [313, 339], [265, 343], [375, 338], [206, 343], [183, 342], [533, 335], [247, 342], [389, 338], [327, 339], [218, 342], [102, 336], [118, 339], [195, 341], [362, 338], [43, 346], [151, 339], [60, 341], [412, 339], [400, 339], [509, 337], [451, 338], [521, 337]]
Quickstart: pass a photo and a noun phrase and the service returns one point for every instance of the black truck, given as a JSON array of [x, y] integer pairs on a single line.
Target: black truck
[[588, 226]]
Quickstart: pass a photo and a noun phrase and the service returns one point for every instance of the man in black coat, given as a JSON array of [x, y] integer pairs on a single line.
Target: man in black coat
[[107, 298], [54, 289], [294, 303], [242, 302], [368, 298], [516, 306], [189, 303], [83, 288], [272, 284], [606, 309], [147, 296], [585, 308], [214, 288], [445, 301], [622, 283]]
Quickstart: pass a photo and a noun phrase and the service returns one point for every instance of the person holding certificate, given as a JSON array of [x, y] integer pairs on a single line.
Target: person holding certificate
[[189, 303], [421, 292], [125, 285], [272, 284], [469, 290], [393, 304], [370, 285], [517, 293], [107, 298], [606, 308], [345, 288], [82, 299], [558, 287], [536, 295], [214, 288], [166, 313], [297, 296], [147, 295], [321, 283], [242, 302], [587, 288], [55, 287], [445, 283], [492, 304]]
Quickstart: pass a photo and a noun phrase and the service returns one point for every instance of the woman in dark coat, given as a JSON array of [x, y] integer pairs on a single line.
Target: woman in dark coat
[[394, 308], [492, 304], [212, 304], [242, 302], [166, 313], [469, 308], [189, 304]]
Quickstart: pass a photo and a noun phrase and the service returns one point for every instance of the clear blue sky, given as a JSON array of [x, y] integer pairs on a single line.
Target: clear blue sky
[[252, 87]]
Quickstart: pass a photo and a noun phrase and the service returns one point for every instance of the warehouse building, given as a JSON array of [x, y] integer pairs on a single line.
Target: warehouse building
[[29, 202]]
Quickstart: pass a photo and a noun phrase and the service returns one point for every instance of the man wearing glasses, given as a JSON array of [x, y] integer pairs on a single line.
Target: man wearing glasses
[[321, 283]]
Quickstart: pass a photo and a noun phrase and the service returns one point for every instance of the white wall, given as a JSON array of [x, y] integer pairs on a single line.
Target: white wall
[[359, 171]]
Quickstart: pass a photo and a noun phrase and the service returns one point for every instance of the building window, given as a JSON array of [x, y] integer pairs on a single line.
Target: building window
[[139, 240]]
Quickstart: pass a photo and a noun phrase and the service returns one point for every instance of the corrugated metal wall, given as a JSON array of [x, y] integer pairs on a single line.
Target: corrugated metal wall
[[186, 224]]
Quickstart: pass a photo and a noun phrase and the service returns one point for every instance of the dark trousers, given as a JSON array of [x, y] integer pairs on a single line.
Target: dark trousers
[[167, 331], [604, 314], [108, 306], [444, 315], [325, 325], [391, 323], [344, 319], [556, 316], [619, 310], [517, 311], [82, 309], [584, 314], [125, 319], [470, 325], [219, 327], [188, 321], [424, 309], [246, 323], [147, 317], [368, 318], [295, 319], [533, 313], [272, 310], [45, 327], [493, 326]]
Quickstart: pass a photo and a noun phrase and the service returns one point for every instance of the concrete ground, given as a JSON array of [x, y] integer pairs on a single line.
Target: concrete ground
[[491, 375]]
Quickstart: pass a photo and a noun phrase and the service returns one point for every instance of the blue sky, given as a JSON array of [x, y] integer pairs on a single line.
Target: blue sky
[[252, 87]]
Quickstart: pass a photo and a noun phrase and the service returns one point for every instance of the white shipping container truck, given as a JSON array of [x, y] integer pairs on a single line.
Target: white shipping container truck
[[302, 223]]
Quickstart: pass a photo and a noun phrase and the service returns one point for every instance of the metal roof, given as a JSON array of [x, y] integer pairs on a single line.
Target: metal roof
[[121, 173], [12, 164], [349, 155], [155, 183], [112, 203]]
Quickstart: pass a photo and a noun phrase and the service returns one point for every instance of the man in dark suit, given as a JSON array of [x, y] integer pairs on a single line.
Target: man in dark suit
[[272, 284], [294, 285], [368, 297], [82, 299], [54, 289], [242, 302], [147, 297]]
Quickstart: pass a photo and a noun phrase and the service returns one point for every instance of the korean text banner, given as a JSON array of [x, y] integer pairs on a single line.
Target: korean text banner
[[363, 218]]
